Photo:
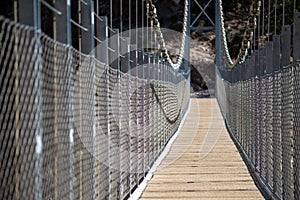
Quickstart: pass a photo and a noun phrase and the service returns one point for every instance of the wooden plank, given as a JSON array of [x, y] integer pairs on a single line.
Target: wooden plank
[[207, 194], [198, 198], [203, 162]]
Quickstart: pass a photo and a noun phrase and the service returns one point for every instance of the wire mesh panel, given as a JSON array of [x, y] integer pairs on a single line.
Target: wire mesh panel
[[133, 134], [296, 136], [146, 118], [277, 164], [83, 124], [269, 131], [262, 128], [18, 111], [140, 128], [247, 116], [257, 124], [73, 127], [56, 142], [102, 137], [125, 136], [114, 133], [261, 111], [287, 133], [252, 120]]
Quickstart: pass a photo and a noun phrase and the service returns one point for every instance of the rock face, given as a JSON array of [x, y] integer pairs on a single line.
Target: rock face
[[197, 81]]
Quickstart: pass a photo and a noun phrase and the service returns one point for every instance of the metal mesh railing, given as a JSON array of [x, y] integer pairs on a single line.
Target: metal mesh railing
[[73, 127], [259, 101], [260, 112]]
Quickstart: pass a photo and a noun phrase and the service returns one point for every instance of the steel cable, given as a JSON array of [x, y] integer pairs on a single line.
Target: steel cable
[[248, 35], [156, 24]]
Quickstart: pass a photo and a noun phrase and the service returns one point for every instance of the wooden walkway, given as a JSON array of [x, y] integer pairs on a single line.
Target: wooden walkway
[[203, 162]]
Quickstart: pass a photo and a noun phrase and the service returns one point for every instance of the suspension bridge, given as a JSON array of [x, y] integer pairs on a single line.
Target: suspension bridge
[[93, 110]]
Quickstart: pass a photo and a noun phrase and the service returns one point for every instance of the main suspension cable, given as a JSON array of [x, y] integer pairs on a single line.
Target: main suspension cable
[[283, 13], [275, 20], [248, 35], [156, 25], [269, 20], [258, 28], [263, 22]]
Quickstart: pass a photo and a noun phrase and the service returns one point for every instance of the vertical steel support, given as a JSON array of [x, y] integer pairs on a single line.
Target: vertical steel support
[[187, 42], [256, 126], [276, 52], [30, 14], [87, 20], [88, 76], [143, 65], [101, 54], [39, 100], [218, 40], [164, 74], [147, 121], [252, 65], [286, 45], [262, 66], [129, 108], [124, 126], [159, 92], [128, 100], [70, 94], [269, 58], [277, 170], [136, 70], [102, 35], [296, 41], [63, 27], [122, 142], [269, 116], [114, 44]]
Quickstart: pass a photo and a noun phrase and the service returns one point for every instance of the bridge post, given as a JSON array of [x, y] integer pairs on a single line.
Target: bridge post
[[262, 66], [296, 41], [187, 40], [277, 174], [87, 17], [276, 52], [218, 40], [269, 58], [286, 45], [30, 14], [252, 128], [102, 39], [87, 92], [114, 115], [252, 65], [146, 119], [125, 112], [64, 35], [256, 63], [63, 23]]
